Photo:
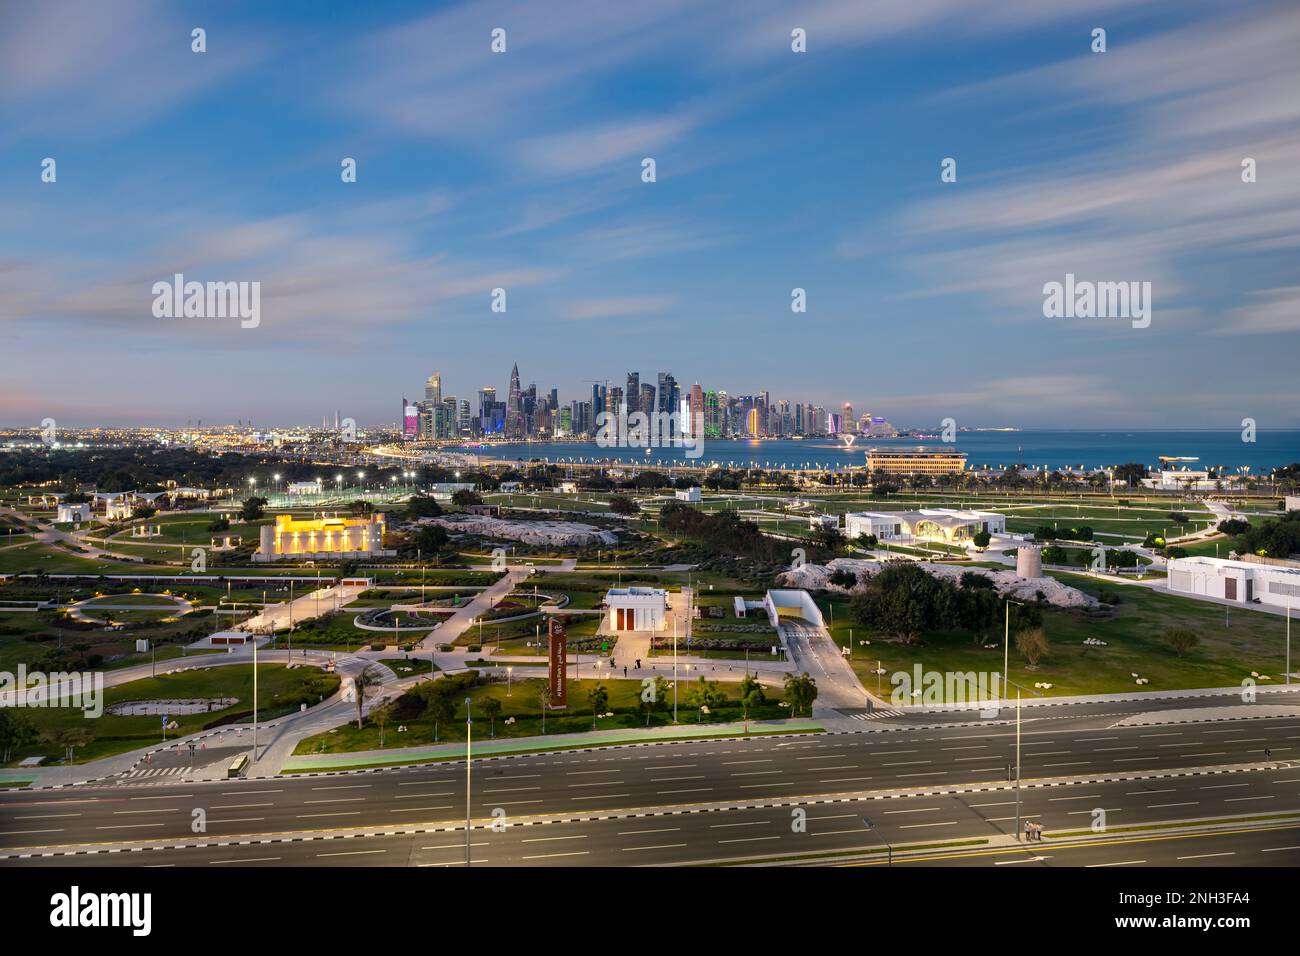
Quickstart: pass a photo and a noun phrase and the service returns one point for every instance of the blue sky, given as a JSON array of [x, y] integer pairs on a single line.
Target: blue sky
[[775, 170]]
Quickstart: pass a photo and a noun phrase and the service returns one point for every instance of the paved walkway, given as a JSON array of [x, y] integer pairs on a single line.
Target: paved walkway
[[453, 627]]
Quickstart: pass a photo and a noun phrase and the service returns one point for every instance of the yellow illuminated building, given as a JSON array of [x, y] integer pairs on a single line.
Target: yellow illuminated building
[[323, 537]]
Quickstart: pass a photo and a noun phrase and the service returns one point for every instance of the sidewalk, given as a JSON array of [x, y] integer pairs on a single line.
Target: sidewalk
[[500, 746]]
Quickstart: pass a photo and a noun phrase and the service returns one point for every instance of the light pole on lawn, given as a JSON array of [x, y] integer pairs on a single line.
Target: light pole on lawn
[[1017, 764], [1006, 639], [469, 733], [674, 669]]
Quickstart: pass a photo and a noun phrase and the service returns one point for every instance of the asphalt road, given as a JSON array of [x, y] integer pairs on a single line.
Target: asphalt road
[[690, 789], [808, 830]]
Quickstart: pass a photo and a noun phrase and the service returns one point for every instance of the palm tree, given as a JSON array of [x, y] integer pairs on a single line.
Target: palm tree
[[492, 708], [363, 683]]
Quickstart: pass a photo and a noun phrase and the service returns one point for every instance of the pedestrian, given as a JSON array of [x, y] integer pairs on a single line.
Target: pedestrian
[[1029, 831], [1268, 753], [624, 670]]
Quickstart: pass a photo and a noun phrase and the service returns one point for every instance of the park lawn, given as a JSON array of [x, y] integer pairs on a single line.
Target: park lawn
[[336, 632], [524, 704], [116, 734], [191, 528], [408, 666], [155, 600], [1226, 655], [25, 637], [37, 557]]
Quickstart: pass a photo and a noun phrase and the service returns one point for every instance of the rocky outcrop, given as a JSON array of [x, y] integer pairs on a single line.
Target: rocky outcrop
[[1007, 583]]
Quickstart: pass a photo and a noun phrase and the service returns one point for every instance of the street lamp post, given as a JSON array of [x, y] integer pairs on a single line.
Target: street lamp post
[[1017, 763], [509, 671], [1006, 641], [254, 698], [469, 733]]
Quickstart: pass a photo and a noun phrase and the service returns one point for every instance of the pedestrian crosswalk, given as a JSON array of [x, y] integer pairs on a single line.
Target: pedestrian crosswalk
[[862, 714], [144, 770]]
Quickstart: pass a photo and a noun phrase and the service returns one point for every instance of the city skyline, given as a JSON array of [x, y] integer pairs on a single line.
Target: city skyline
[[524, 172]]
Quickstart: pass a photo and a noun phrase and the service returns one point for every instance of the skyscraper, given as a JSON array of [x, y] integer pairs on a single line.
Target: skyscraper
[[633, 391], [433, 388], [695, 426], [514, 426]]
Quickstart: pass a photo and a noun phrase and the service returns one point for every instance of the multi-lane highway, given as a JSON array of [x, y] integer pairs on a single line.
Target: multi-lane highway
[[706, 801]]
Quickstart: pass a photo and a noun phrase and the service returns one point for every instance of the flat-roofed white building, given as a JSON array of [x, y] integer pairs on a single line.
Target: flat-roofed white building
[[1232, 580], [73, 513], [689, 495], [1292, 503], [305, 487], [824, 521], [1178, 479], [942, 524], [636, 609]]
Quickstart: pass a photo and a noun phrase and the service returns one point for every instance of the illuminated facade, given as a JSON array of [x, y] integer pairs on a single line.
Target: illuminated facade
[[916, 461], [311, 538], [936, 524]]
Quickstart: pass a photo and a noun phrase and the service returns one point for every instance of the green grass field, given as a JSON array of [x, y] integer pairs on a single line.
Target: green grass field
[[1227, 653], [278, 691], [523, 703]]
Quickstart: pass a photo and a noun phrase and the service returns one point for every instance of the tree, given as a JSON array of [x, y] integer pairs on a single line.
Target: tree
[[900, 601], [654, 698], [69, 738], [16, 732], [492, 710], [381, 715], [751, 694], [704, 695], [598, 698], [254, 508], [843, 578], [1234, 526], [868, 541], [981, 539], [1033, 644], [800, 692], [423, 506], [441, 710], [361, 507], [363, 684], [464, 497], [431, 538], [1180, 639], [623, 505]]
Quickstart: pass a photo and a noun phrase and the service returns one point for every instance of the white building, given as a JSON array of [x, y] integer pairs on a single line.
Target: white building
[[1240, 581], [942, 524], [636, 609], [1178, 479], [1292, 503], [791, 604], [568, 488], [119, 510], [824, 521], [305, 487], [689, 495], [73, 513]]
